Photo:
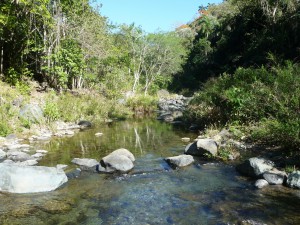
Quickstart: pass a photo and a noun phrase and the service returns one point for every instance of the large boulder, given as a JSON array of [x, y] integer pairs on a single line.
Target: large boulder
[[32, 113], [275, 177], [30, 179], [255, 167], [208, 146], [202, 147], [180, 161], [293, 179], [86, 164], [120, 160], [125, 152], [191, 149]]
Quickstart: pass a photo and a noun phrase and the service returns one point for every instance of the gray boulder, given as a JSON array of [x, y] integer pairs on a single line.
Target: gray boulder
[[255, 167], [30, 179], [191, 149], [2, 154], [119, 160], [208, 146], [125, 152], [86, 164], [32, 113], [293, 180], [275, 177], [202, 147], [180, 161], [260, 183], [18, 156]]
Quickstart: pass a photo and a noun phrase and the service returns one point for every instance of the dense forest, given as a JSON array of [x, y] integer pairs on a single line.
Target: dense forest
[[239, 59]]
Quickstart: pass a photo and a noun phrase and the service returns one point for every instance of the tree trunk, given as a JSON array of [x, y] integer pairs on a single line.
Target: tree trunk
[[1, 61]]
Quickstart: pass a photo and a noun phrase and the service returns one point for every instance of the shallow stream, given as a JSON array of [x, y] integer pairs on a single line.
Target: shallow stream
[[153, 193]]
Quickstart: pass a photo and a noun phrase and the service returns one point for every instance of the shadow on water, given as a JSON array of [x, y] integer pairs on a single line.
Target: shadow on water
[[152, 193]]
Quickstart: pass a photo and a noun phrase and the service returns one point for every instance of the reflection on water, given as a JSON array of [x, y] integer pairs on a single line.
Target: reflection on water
[[152, 193]]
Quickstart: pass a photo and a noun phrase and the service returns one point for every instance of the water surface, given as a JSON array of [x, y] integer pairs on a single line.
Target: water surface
[[153, 193]]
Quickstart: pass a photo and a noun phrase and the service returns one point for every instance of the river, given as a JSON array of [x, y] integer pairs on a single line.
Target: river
[[153, 193]]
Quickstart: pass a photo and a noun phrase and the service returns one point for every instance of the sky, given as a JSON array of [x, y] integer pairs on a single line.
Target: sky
[[152, 15]]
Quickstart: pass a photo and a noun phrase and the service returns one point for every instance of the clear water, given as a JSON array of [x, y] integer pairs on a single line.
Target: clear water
[[153, 193]]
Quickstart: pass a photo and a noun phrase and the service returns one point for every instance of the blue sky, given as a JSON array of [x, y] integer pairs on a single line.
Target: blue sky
[[152, 15]]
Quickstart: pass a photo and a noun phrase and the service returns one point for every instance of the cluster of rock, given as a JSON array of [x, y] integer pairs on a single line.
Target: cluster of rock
[[19, 173], [120, 160], [62, 129], [266, 174], [211, 146], [171, 107]]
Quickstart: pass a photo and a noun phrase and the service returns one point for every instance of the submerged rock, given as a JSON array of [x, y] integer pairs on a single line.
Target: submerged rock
[[119, 160], [255, 167], [181, 160], [293, 179], [30, 179]]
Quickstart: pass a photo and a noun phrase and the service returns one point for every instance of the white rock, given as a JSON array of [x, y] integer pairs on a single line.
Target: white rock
[[30, 162], [185, 139], [61, 166], [260, 183], [30, 179], [181, 160], [41, 151], [98, 134]]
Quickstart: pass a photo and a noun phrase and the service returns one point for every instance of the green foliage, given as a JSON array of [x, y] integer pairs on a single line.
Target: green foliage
[[4, 128], [240, 33], [51, 111], [268, 98], [224, 153]]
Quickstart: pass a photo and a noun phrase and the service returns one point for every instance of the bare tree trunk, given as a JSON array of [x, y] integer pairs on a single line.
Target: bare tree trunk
[[1, 61]]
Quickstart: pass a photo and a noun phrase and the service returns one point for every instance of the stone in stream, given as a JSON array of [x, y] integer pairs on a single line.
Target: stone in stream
[[120, 160], [293, 179], [18, 156], [275, 177], [30, 179], [84, 124], [255, 167], [260, 183], [86, 164], [185, 139], [181, 160], [202, 147]]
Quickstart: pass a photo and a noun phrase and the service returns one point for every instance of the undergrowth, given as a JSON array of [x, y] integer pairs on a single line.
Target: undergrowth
[[265, 100]]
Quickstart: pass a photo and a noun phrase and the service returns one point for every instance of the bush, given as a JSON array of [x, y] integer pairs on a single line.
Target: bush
[[268, 98]]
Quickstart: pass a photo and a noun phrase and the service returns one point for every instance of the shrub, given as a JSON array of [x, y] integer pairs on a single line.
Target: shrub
[[268, 98]]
